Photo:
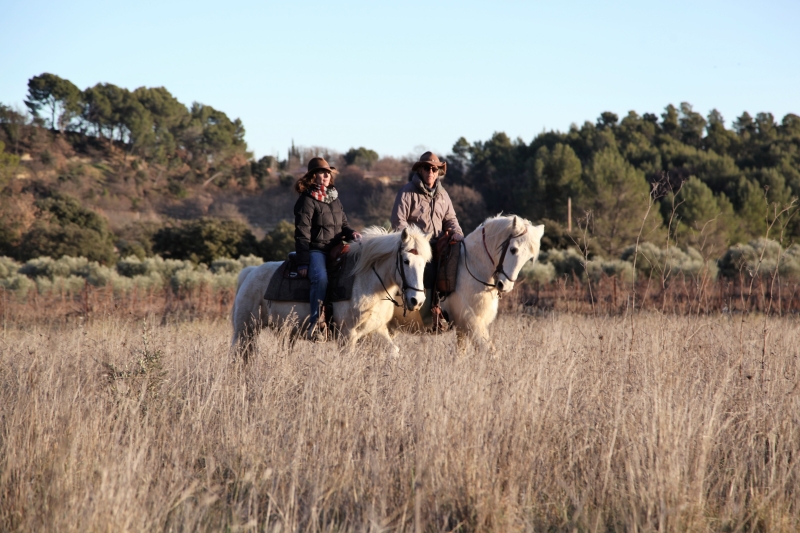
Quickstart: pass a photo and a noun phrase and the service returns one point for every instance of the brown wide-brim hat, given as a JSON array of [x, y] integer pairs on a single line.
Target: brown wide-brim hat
[[429, 158], [318, 163]]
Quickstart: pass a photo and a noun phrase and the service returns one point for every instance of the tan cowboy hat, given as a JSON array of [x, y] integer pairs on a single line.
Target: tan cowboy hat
[[429, 158], [317, 163]]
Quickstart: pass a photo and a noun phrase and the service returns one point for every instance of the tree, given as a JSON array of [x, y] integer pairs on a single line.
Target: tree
[[692, 125], [60, 96], [12, 123], [669, 121], [277, 244], [553, 177], [361, 156], [607, 120], [8, 164], [618, 196], [702, 220], [204, 240], [65, 227]]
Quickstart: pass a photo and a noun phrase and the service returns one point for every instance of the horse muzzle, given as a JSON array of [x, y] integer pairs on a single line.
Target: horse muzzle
[[414, 300], [504, 284]]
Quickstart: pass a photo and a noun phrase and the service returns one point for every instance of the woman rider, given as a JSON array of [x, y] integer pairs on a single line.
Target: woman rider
[[319, 222]]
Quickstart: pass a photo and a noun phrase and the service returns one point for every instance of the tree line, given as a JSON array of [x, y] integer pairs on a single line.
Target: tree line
[[149, 121], [712, 185], [677, 175]]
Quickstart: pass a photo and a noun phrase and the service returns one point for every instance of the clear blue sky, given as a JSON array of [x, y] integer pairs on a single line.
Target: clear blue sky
[[396, 77]]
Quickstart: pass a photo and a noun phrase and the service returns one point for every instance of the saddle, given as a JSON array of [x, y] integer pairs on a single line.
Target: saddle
[[446, 255], [286, 284]]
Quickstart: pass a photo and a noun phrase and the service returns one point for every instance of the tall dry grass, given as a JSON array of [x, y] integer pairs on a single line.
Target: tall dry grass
[[651, 423]]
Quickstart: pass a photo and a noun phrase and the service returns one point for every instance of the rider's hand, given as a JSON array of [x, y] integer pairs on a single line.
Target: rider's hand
[[302, 272], [356, 236], [457, 237]]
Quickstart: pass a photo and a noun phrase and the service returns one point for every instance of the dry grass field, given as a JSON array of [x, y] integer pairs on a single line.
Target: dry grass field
[[652, 423]]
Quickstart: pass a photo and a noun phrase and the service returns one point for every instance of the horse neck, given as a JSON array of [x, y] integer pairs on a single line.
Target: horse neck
[[385, 270], [476, 253]]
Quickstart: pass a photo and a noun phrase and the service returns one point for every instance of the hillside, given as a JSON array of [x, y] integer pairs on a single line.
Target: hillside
[[142, 161]]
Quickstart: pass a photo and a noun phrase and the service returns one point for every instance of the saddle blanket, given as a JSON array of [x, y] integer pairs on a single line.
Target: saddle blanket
[[285, 288]]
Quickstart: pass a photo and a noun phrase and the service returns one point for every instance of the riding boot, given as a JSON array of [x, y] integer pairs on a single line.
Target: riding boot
[[439, 323]]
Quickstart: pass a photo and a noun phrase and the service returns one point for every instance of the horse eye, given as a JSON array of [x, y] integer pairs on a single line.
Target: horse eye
[[407, 262], [513, 250]]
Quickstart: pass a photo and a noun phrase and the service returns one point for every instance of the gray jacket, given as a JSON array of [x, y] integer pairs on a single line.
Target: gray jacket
[[430, 210]]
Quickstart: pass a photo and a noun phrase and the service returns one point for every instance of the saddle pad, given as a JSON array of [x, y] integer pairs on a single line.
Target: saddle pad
[[293, 289], [447, 268]]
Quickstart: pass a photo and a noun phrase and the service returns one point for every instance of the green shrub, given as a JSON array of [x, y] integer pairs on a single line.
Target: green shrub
[[618, 268], [279, 242], [8, 267], [204, 240], [18, 283], [59, 284], [189, 279], [567, 262], [538, 272], [761, 257], [65, 227], [233, 266], [656, 262]]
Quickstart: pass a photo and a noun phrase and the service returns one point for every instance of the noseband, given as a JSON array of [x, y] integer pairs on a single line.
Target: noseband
[[404, 285], [499, 268]]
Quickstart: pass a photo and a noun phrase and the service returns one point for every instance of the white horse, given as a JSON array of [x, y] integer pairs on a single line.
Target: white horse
[[491, 259], [386, 264]]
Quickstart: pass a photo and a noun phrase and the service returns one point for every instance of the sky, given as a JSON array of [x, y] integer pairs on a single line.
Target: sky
[[403, 77]]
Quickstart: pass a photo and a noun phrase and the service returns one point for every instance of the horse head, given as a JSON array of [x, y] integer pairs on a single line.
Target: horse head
[[414, 253], [517, 241]]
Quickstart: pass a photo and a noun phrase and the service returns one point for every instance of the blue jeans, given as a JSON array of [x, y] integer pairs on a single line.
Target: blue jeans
[[318, 275]]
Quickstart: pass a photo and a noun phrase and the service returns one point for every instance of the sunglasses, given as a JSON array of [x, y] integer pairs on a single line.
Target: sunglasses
[[430, 169]]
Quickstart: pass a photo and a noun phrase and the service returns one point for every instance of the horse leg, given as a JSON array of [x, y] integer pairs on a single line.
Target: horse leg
[[383, 332]]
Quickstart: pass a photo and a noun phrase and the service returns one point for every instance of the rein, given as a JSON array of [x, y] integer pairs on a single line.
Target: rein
[[404, 284]]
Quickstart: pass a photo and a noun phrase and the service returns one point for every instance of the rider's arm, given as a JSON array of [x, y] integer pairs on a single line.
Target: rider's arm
[[347, 233], [402, 206], [449, 220]]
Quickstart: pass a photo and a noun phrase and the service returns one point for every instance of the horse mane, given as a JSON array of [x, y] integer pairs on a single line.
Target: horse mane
[[378, 243], [498, 229]]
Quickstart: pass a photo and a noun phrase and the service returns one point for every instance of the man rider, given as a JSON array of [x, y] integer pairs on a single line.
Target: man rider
[[424, 203]]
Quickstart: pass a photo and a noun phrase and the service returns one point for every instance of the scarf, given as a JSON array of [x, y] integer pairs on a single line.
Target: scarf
[[424, 188], [323, 194]]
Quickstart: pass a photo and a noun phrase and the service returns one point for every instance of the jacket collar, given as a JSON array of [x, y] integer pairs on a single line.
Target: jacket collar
[[421, 187]]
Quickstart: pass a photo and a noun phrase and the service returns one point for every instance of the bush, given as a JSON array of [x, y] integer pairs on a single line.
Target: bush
[[617, 268], [233, 266], [761, 257], [65, 227], [279, 242], [538, 272], [658, 262], [8, 267], [567, 262], [204, 240], [18, 283]]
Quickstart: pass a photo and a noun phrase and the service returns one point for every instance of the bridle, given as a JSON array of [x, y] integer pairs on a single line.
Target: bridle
[[499, 268], [404, 285]]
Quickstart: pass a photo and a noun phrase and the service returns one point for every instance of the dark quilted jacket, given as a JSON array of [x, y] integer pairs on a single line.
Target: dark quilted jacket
[[316, 225]]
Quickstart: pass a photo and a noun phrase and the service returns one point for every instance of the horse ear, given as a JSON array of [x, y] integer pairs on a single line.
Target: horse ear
[[514, 225], [404, 236], [539, 231]]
